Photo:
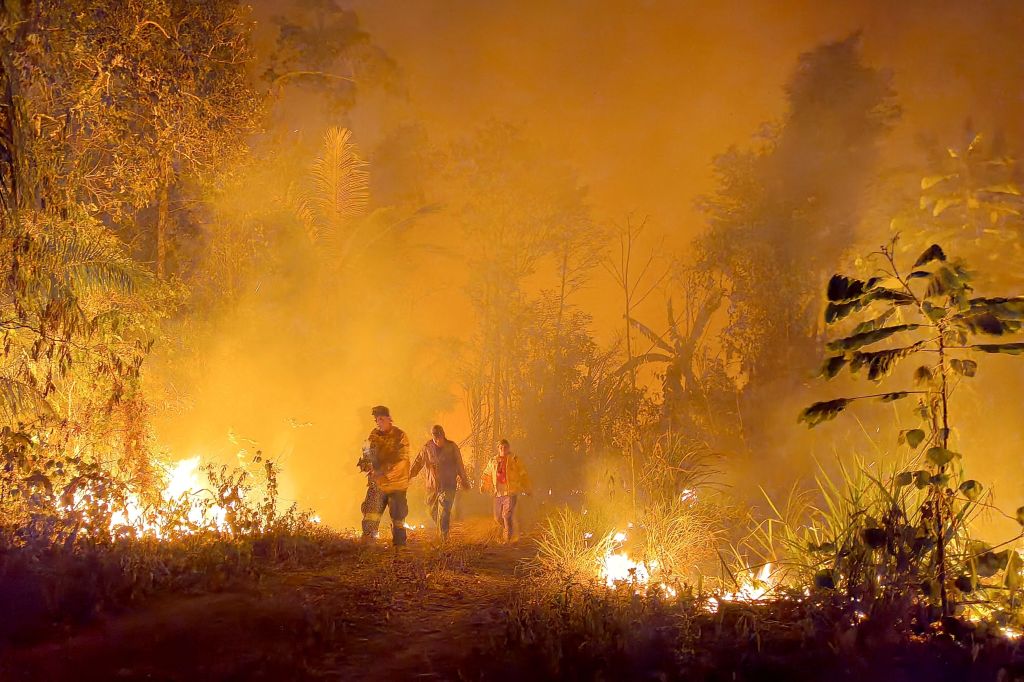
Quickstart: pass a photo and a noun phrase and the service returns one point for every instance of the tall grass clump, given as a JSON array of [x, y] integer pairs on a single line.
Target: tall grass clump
[[654, 504]]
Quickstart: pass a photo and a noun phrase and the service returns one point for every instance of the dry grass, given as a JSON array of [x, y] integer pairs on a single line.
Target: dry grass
[[565, 553]]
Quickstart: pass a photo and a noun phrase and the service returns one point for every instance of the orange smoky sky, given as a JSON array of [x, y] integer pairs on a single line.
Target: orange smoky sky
[[640, 96]]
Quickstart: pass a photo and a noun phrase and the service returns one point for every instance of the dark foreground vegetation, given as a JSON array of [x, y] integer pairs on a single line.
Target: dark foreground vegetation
[[472, 611], [617, 636]]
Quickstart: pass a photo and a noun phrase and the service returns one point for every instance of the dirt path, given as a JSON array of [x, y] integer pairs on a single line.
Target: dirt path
[[434, 620], [366, 613]]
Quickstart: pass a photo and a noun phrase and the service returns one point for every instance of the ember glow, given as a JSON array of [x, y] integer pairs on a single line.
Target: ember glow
[[751, 589], [183, 489], [619, 568]]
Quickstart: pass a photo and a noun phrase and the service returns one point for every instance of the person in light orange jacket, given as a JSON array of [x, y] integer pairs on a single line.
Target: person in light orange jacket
[[505, 477], [386, 463]]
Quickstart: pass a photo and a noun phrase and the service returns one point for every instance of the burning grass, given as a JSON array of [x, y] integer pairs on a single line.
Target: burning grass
[[839, 582], [76, 541], [659, 528], [615, 634]]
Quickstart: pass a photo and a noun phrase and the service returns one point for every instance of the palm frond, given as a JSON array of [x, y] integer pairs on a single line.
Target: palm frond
[[82, 257], [18, 400], [341, 183], [301, 204], [651, 335]]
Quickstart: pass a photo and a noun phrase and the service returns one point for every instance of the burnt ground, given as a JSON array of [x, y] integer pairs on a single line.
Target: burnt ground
[[362, 613]]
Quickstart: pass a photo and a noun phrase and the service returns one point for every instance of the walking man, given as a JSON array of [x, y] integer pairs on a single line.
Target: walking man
[[444, 472], [386, 463], [505, 477]]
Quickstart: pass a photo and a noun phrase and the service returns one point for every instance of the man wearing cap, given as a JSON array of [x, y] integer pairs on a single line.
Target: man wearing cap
[[386, 462], [443, 469]]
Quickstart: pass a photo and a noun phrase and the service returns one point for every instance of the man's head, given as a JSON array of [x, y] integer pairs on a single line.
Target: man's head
[[437, 434], [503, 447], [382, 415]]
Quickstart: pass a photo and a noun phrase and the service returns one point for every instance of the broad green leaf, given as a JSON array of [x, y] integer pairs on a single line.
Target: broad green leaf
[[933, 252], [946, 281], [1020, 515], [934, 312], [940, 456], [922, 479], [971, 489], [955, 337], [922, 375], [914, 437], [967, 368], [904, 478]]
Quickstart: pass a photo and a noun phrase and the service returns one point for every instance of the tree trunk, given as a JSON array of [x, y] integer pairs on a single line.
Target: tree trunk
[[13, 128], [496, 397], [162, 210], [939, 497]]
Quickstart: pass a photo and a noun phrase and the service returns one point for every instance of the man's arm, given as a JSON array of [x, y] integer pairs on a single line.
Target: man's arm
[[418, 464], [462, 468], [524, 477], [486, 485]]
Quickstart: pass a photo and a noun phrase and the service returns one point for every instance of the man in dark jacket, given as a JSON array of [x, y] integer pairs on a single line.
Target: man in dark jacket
[[442, 463]]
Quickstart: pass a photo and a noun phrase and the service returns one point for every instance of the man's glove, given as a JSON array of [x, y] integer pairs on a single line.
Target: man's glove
[[369, 459]]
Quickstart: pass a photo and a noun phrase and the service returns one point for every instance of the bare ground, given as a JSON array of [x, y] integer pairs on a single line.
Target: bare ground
[[364, 613]]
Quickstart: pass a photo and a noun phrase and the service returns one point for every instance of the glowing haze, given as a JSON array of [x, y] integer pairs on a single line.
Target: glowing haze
[[636, 98]]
